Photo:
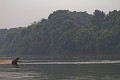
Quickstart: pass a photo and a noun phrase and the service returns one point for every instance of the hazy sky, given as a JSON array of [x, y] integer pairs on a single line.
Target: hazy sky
[[20, 13]]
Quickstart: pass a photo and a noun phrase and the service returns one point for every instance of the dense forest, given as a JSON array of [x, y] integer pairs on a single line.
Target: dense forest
[[65, 33]]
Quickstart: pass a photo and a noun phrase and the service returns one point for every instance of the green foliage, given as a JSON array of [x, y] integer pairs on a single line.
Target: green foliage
[[86, 39], [65, 32], [98, 18]]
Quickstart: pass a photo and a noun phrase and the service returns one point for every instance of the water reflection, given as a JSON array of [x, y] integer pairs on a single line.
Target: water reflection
[[15, 65], [60, 72], [77, 72]]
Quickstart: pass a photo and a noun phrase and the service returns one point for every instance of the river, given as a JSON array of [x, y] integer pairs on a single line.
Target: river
[[43, 69]]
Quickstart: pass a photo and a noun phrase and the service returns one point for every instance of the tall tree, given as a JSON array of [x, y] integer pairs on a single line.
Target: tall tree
[[98, 18]]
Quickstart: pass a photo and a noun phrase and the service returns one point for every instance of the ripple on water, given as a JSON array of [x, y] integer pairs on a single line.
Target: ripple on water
[[15, 75]]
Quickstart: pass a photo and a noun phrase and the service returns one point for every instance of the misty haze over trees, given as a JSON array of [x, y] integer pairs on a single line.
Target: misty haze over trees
[[65, 33]]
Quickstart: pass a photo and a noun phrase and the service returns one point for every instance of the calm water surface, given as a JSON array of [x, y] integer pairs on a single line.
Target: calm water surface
[[31, 71]]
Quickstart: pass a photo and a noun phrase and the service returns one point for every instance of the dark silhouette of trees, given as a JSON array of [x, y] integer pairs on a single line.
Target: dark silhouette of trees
[[65, 32]]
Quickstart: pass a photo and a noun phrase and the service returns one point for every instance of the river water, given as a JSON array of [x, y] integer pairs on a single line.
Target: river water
[[38, 69]]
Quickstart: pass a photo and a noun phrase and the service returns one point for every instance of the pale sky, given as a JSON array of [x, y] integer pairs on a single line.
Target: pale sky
[[21, 13]]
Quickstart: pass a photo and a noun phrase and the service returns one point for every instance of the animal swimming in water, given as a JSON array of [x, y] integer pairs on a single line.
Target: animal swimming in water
[[14, 62]]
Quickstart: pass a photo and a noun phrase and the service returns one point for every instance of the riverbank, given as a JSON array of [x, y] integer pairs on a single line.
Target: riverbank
[[2, 61]]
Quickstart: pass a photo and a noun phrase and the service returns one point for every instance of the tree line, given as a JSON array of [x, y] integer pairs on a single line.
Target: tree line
[[66, 33]]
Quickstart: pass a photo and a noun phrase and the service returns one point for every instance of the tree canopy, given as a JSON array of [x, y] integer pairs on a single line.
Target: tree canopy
[[65, 32]]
